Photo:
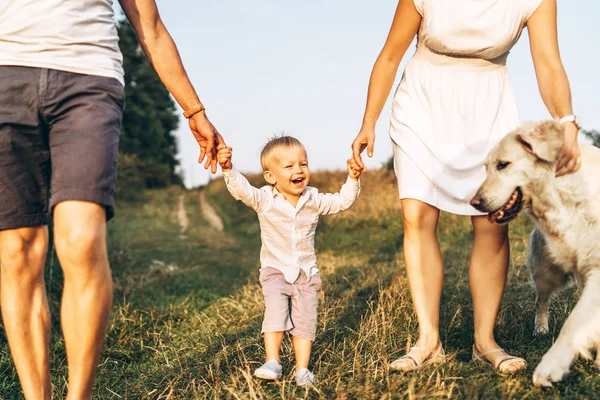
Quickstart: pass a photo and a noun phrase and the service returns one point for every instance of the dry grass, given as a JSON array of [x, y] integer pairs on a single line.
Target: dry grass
[[187, 319]]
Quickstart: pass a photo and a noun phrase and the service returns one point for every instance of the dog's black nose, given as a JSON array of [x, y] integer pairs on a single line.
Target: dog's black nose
[[477, 203]]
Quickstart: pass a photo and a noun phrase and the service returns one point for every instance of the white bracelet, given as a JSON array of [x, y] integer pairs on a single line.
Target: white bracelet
[[570, 118]]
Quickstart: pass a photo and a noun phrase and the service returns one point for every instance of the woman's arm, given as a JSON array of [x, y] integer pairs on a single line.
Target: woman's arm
[[162, 53], [404, 28], [552, 80]]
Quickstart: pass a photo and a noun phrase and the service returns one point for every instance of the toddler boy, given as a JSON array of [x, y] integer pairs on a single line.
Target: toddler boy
[[288, 212]]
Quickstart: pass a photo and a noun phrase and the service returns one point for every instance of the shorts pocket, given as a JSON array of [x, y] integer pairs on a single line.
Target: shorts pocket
[[268, 275], [315, 281]]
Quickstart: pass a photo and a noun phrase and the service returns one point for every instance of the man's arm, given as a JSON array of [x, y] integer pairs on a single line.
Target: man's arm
[[161, 51]]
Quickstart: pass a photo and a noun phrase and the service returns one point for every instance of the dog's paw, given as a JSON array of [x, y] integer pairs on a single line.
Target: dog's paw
[[554, 366], [541, 325], [541, 330]]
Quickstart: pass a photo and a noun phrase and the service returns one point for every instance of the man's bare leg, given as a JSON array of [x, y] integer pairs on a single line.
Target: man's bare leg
[[80, 237], [25, 307]]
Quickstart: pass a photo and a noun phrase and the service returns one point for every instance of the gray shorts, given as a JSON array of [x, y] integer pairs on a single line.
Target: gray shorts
[[290, 307], [59, 141]]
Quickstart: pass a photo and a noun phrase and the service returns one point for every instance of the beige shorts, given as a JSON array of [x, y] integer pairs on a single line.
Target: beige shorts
[[290, 307]]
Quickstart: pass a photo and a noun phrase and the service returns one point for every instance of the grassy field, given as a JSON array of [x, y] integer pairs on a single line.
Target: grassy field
[[188, 308]]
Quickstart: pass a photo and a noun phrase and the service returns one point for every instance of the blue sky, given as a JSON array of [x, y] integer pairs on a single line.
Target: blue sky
[[267, 66]]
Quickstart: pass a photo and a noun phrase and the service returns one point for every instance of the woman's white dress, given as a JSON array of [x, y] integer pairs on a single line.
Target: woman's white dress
[[454, 102]]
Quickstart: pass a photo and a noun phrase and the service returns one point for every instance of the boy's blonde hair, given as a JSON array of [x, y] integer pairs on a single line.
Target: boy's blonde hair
[[271, 149]]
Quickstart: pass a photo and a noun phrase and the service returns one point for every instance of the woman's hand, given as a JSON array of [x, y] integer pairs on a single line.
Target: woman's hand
[[364, 140], [208, 139], [553, 81], [569, 158], [405, 26], [354, 170]]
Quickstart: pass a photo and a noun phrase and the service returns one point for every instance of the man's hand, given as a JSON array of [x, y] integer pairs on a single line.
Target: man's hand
[[569, 158], [354, 170], [208, 138], [224, 155], [159, 48], [364, 140]]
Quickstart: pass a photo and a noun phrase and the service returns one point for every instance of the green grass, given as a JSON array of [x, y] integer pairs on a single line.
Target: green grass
[[188, 309]]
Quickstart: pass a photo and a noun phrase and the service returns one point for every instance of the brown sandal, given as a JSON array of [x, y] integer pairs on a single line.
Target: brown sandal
[[410, 362], [502, 363]]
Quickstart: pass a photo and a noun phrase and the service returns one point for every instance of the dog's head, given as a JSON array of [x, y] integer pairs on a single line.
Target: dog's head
[[523, 156]]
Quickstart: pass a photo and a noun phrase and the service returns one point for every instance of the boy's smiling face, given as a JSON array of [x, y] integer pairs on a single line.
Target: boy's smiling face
[[289, 172]]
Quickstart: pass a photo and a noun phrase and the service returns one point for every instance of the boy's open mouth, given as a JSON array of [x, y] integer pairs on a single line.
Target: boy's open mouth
[[298, 181], [510, 210]]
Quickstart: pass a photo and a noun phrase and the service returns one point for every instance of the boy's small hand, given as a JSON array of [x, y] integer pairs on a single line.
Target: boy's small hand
[[224, 154], [354, 170]]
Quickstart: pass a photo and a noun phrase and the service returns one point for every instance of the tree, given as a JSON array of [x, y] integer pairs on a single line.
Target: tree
[[594, 136], [150, 117]]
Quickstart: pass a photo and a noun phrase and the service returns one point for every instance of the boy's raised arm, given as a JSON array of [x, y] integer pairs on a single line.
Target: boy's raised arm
[[241, 189], [332, 203], [336, 202], [237, 184]]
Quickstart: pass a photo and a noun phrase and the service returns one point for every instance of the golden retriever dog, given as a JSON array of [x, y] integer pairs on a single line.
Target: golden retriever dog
[[521, 175]]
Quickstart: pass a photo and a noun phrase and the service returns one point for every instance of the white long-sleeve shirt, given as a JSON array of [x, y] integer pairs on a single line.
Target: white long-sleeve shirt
[[288, 232]]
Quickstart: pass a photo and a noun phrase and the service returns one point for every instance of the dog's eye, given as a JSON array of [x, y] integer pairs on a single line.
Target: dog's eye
[[501, 165]]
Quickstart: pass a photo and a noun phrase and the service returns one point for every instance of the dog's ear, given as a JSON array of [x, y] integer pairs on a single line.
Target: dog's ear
[[543, 140]]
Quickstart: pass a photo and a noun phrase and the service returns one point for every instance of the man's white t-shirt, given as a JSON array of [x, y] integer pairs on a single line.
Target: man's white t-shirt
[[69, 35]]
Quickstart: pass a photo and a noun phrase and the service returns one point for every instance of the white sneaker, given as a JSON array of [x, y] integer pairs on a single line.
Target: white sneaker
[[270, 370], [304, 377]]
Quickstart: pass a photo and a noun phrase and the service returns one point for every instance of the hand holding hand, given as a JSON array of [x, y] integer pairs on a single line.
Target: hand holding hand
[[364, 140], [354, 170], [207, 137], [224, 155], [569, 158]]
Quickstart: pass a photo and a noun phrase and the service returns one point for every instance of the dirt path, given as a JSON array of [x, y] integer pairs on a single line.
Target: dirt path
[[209, 213], [182, 216]]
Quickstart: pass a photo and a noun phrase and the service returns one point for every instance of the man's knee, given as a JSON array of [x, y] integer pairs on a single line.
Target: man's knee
[[419, 217], [23, 253], [80, 234], [80, 247]]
